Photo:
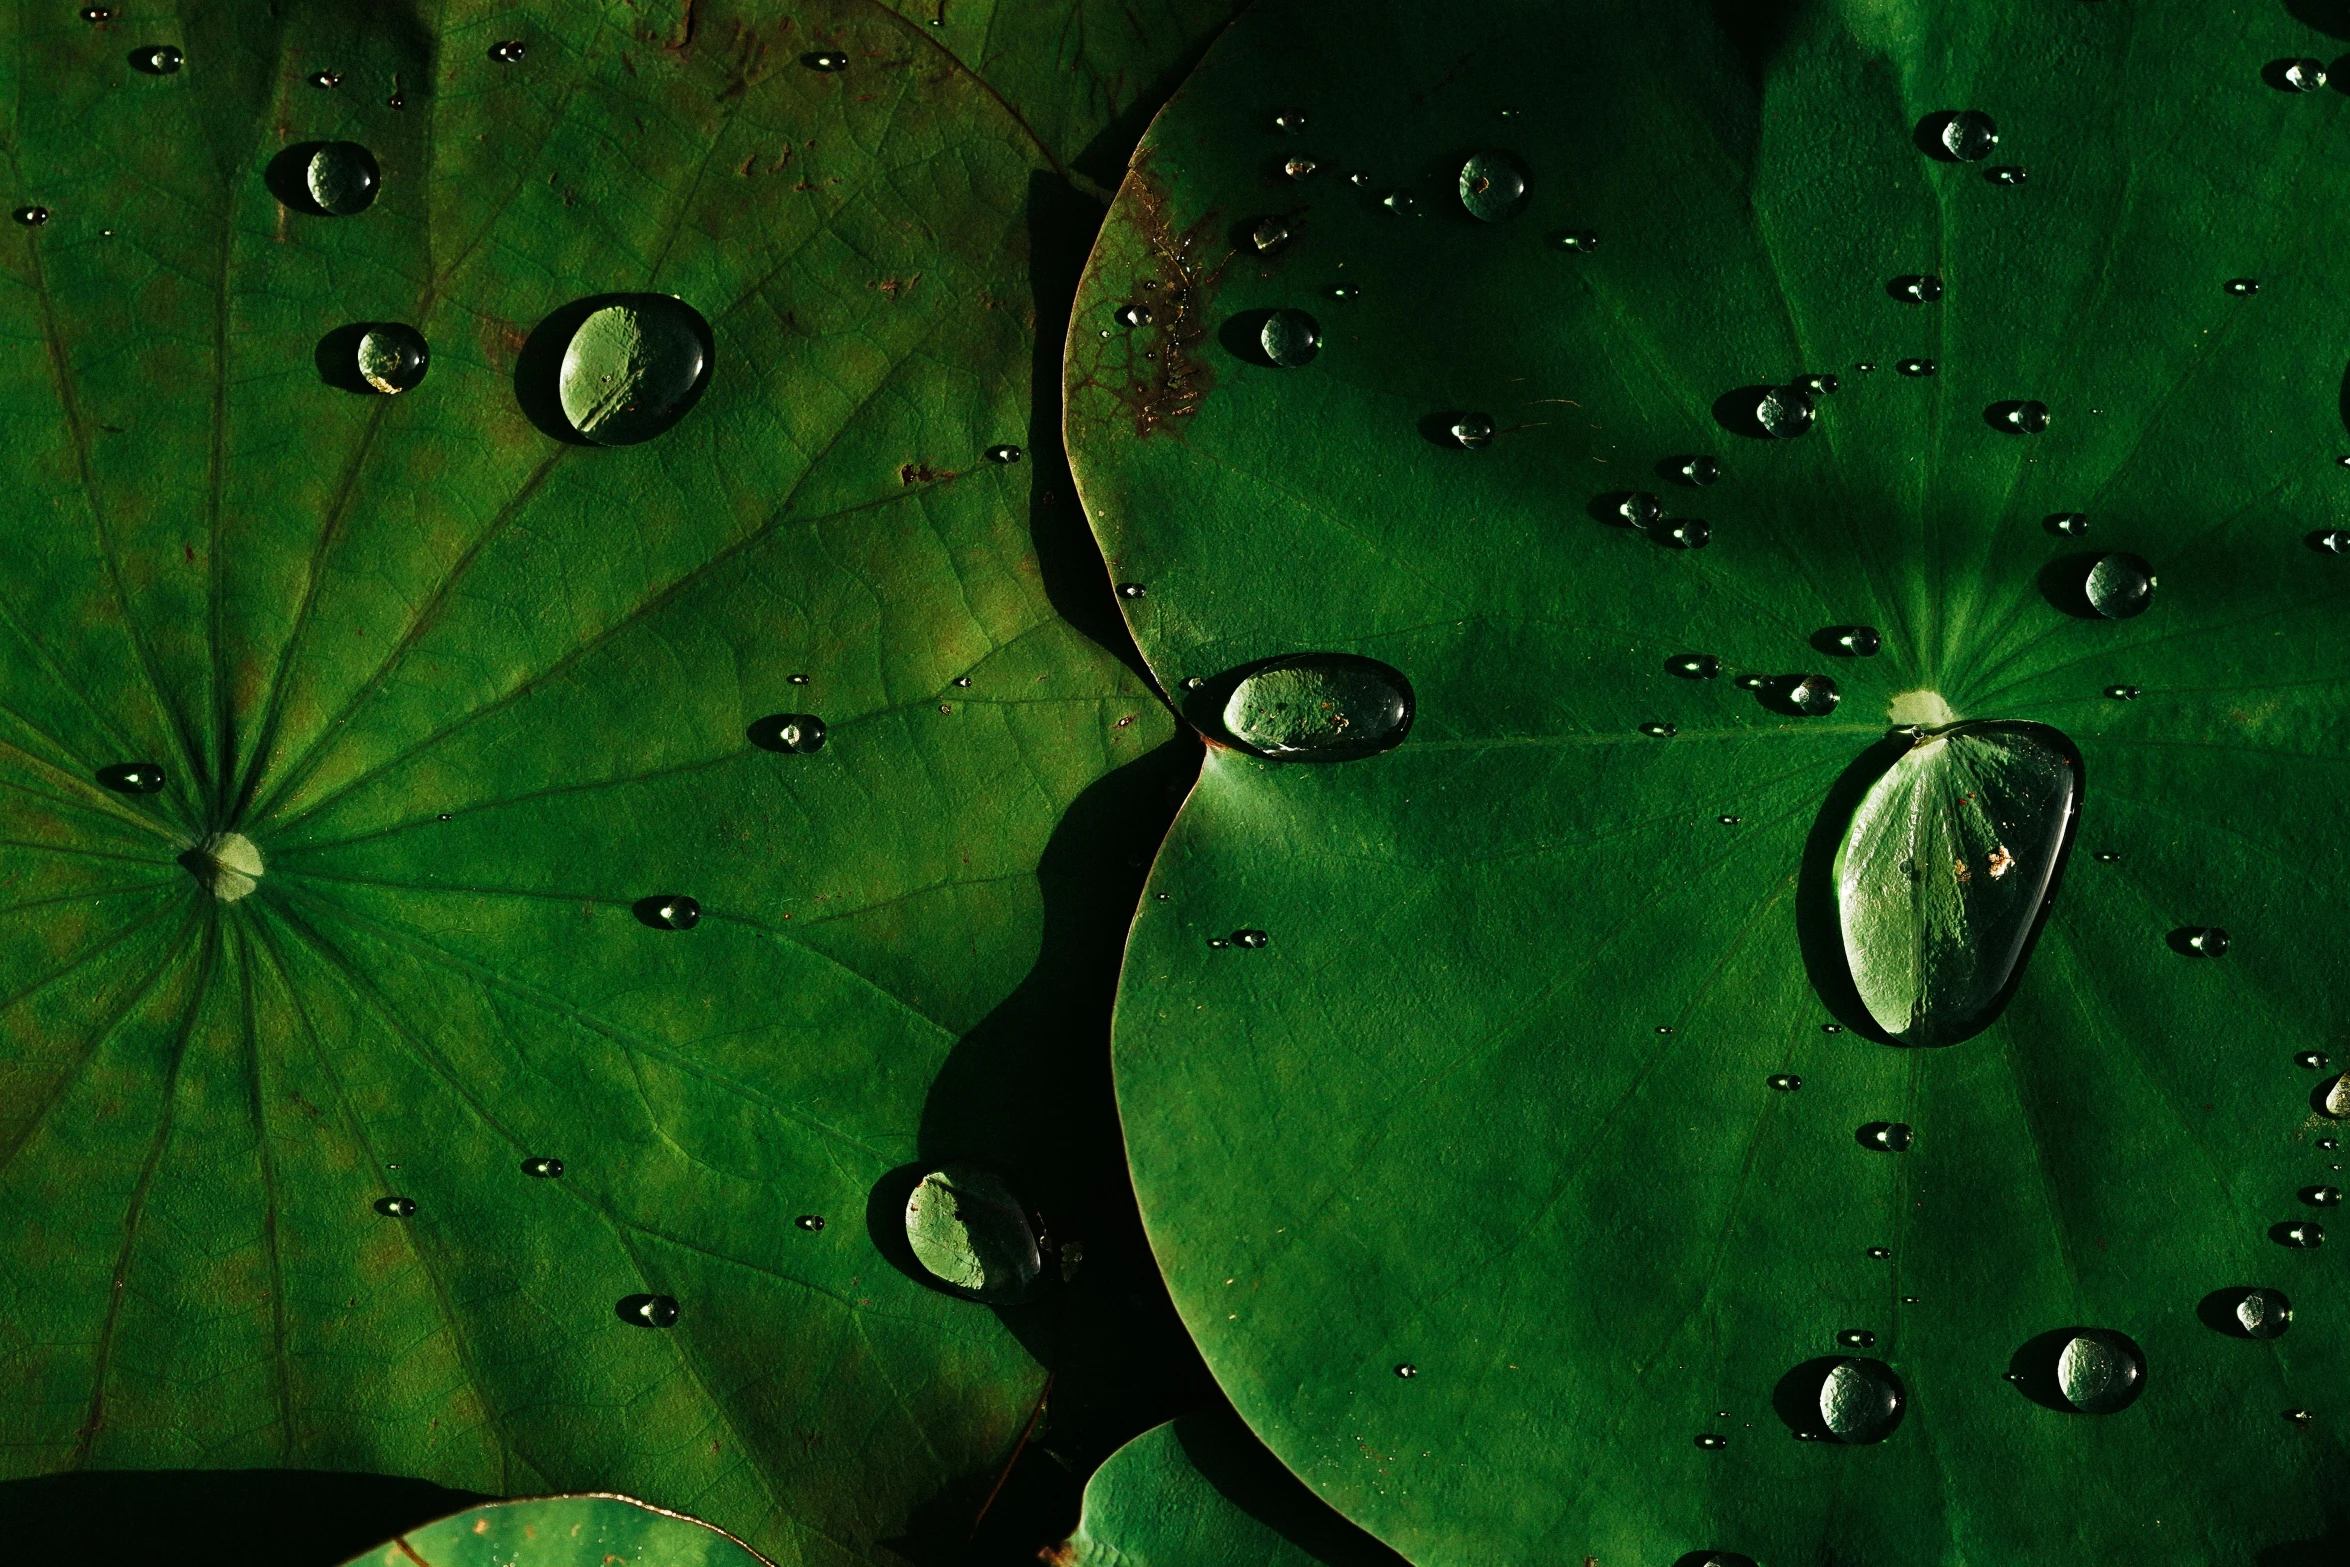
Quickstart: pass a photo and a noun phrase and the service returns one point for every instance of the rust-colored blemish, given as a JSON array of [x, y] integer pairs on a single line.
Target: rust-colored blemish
[[1171, 379], [920, 473], [890, 288]]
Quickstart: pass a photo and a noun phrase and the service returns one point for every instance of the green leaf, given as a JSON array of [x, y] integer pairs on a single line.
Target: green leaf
[[1199, 1491], [453, 704], [1493, 1103], [563, 1531]]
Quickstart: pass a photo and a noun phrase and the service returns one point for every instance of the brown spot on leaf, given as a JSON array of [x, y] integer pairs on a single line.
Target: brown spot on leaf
[[1171, 379], [890, 288]]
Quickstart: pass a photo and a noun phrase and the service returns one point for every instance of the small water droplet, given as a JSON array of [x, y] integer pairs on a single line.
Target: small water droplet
[[162, 60], [2029, 417], [670, 911], [1659, 731], [396, 1207], [2006, 174], [1694, 666], [1269, 235], [797, 680], [811, 1222], [2314, 1061], [1785, 1082], [963, 681], [1299, 168], [970, 1230], [1290, 338], [1856, 1338], [1888, 1136], [2322, 1196], [2241, 286], [1292, 120], [1640, 509], [392, 357], [1249, 938], [1195, 683], [1917, 367], [1713, 1443], [1576, 239], [2329, 1144], [2300, 1417], [826, 60], [1320, 707], [1865, 368], [544, 1169], [32, 217], [326, 80], [1133, 315], [2071, 524], [2120, 586], [2106, 857], [508, 52], [1814, 696], [1859, 641], [2305, 75], [1784, 412], [1919, 288], [2304, 1235], [1821, 385], [1003, 454], [342, 178], [798, 733], [2206, 941], [1407, 1370], [1729, 821], [396, 101], [634, 368], [1861, 1401], [2100, 1371], [1398, 202], [1831, 1028], [131, 777], [1132, 590], [1969, 135], [1346, 291], [1359, 178], [649, 1311], [1472, 430], [1880, 1252], [1911, 1300], [97, 13], [1495, 186], [1700, 470], [2123, 693], [1682, 533]]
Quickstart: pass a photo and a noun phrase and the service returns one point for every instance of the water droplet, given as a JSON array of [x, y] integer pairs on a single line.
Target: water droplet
[[669, 911], [396, 1207], [1682, 533], [1494, 186], [2120, 586], [2206, 941], [1407, 1370], [970, 1231], [1269, 235], [32, 217], [2304, 1235], [543, 1169], [1713, 1443], [2315, 1061], [2100, 1371], [1831, 1028], [1865, 368], [1640, 509], [1398, 202], [2241, 286], [97, 13], [1856, 1338], [2305, 75], [1346, 291], [1290, 338], [963, 681], [2071, 524], [1320, 707], [1299, 168], [826, 60], [1919, 288], [797, 680], [1132, 590], [1785, 1082], [1784, 412], [1249, 938], [326, 80], [1002, 454], [1821, 385], [1219, 943], [393, 358], [2263, 1313], [811, 1222], [1472, 431], [1195, 683], [1577, 239], [2028, 417], [2107, 857], [1359, 179], [1859, 641], [2123, 693], [161, 60], [1880, 1252], [800, 733], [2322, 1196], [634, 368], [1693, 666], [2300, 1417], [649, 1311], [395, 101], [1729, 821], [1969, 135], [1911, 1300], [1917, 367], [1888, 1136], [1292, 120], [1945, 871], [342, 178], [1133, 315], [131, 777], [1814, 696], [1701, 470], [1659, 731], [1861, 1400], [2006, 174], [508, 52]]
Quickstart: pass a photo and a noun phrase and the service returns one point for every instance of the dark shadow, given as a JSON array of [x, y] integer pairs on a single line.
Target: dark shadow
[[2331, 1550], [2334, 75], [2342, 404], [1796, 1400], [288, 178], [2281, 1232], [1928, 136], [1756, 29], [538, 369], [1734, 412], [1229, 1457], [1243, 337], [215, 1517], [2331, 17], [337, 358], [1103, 160], [1816, 924], [2064, 583], [2032, 1370]]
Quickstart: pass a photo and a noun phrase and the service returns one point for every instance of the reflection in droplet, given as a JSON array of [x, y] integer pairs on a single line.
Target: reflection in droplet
[[1269, 235], [1969, 135], [1820, 385], [970, 1231], [2264, 1313], [393, 358], [1945, 871], [1784, 412], [2031, 418], [508, 51], [131, 777], [342, 178], [1916, 367], [1472, 430], [2305, 75], [1814, 696], [1290, 338], [2100, 1371], [1694, 666], [396, 1207], [801, 733], [1250, 938], [1862, 1400], [634, 368], [2120, 586], [543, 1169], [1494, 186], [1320, 707]]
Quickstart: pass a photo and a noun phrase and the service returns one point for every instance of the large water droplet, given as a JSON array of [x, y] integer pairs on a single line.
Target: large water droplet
[[2313, 1060], [1814, 696], [2100, 1371], [1494, 186], [1682, 533], [1694, 666], [1290, 338], [131, 777], [1472, 430], [1320, 707], [634, 367], [393, 358], [1969, 135], [972, 1233], [1945, 872], [2322, 1196], [1784, 412], [2305, 75], [2333, 1097], [342, 178], [1862, 1400], [1640, 509], [2120, 586]]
